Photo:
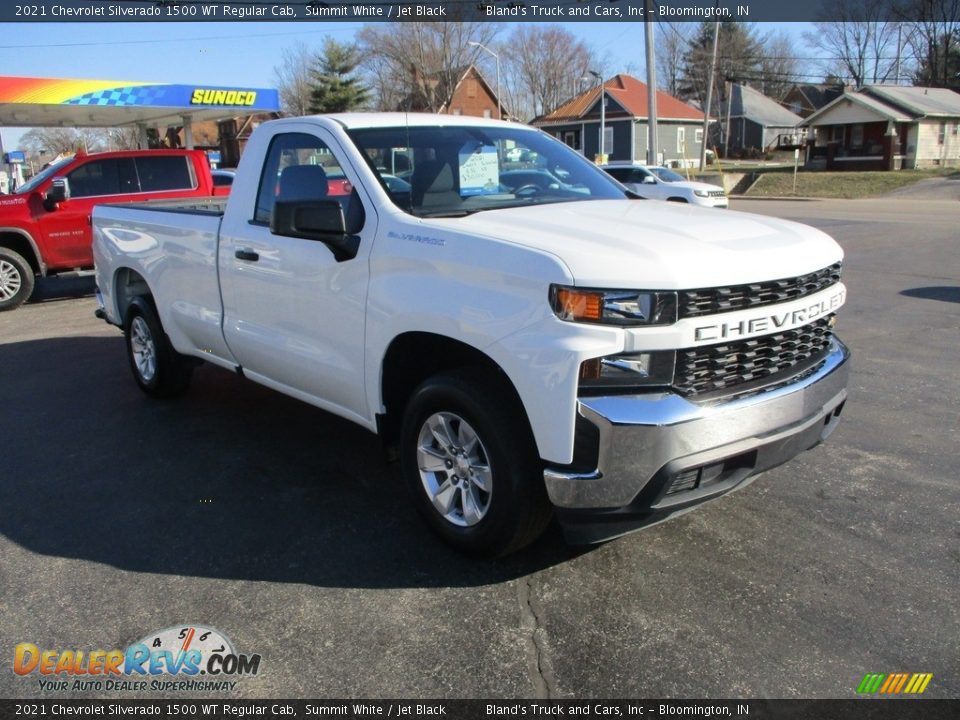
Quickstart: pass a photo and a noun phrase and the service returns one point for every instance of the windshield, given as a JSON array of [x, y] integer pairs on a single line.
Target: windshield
[[454, 171], [666, 174], [38, 179]]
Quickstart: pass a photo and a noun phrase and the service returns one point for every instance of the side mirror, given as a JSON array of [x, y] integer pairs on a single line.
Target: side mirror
[[649, 180], [59, 192], [315, 220]]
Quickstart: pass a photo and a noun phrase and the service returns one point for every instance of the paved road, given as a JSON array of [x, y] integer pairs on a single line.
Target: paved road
[[945, 188], [280, 526]]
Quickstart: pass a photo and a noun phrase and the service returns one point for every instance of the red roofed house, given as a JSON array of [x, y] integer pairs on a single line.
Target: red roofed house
[[577, 123]]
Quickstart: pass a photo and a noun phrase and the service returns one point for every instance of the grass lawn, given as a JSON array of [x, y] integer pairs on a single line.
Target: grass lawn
[[779, 183]]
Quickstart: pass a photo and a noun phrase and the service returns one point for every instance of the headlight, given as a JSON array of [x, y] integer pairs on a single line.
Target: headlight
[[702, 193], [626, 372], [613, 307]]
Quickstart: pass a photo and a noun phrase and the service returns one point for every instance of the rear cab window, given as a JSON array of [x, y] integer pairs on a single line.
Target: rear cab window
[[165, 172]]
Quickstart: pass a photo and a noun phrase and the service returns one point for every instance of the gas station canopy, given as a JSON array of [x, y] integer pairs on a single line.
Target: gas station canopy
[[51, 102]]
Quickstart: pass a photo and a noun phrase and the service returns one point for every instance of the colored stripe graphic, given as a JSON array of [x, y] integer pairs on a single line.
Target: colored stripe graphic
[[923, 679], [871, 683], [54, 91], [894, 683]]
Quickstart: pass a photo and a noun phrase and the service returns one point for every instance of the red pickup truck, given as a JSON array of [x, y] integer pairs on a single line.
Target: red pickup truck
[[45, 224]]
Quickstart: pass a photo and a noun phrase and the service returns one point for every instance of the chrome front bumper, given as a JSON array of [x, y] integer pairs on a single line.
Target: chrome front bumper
[[648, 447]]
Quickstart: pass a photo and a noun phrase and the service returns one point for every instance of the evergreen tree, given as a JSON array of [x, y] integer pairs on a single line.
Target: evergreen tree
[[940, 66], [334, 87], [739, 56]]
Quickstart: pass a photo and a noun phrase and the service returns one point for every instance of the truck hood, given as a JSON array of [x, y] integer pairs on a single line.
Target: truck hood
[[648, 244], [694, 185]]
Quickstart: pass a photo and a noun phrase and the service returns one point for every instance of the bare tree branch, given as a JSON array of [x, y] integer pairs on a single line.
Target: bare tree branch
[[292, 77]]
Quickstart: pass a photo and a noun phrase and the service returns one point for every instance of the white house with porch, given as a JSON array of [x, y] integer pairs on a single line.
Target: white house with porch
[[886, 127]]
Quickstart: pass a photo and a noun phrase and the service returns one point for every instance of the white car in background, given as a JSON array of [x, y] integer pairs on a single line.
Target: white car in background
[[660, 183]]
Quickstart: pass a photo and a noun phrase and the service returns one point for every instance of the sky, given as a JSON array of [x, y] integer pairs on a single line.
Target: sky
[[227, 53]]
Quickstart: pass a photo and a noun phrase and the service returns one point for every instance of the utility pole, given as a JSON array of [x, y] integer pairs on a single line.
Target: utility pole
[[497, 58], [726, 128], [706, 110], [603, 113], [651, 86], [899, 49]]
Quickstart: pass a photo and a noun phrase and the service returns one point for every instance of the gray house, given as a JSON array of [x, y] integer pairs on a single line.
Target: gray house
[[577, 123], [760, 123]]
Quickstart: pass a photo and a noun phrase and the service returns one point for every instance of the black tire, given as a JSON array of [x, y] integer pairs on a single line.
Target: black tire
[[16, 279], [514, 508], [158, 369], [678, 200]]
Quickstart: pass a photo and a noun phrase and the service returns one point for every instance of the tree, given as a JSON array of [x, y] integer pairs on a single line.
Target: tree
[[545, 66], [56, 140], [122, 138], [933, 37], [739, 53], [334, 89], [940, 67], [417, 65], [292, 77], [777, 71], [860, 39], [672, 41]]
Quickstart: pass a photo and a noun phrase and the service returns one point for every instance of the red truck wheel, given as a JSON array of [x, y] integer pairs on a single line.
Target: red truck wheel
[[16, 280]]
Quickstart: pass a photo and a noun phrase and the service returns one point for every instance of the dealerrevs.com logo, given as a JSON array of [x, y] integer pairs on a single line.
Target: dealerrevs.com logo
[[180, 659]]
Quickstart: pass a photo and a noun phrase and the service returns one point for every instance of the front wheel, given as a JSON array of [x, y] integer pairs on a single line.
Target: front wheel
[[468, 458], [159, 370], [16, 279]]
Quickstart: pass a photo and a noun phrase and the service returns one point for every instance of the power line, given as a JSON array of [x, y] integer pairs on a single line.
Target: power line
[[204, 38]]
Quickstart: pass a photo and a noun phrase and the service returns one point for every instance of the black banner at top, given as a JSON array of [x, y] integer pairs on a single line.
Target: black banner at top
[[440, 10], [216, 709]]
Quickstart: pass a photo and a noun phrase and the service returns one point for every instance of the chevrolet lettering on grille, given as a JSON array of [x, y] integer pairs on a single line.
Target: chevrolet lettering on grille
[[769, 322]]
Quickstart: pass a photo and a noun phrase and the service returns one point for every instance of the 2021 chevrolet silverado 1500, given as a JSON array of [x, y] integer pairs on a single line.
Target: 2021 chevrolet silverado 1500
[[524, 348], [45, 224]]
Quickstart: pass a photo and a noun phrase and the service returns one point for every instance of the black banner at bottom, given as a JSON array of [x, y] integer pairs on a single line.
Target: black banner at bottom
[[867, 709]]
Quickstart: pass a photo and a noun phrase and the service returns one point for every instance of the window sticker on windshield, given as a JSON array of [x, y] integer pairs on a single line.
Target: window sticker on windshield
[[479, 170]]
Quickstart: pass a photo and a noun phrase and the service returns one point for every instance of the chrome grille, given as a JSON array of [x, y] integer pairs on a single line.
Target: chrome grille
[[721, 367], [709, 301]]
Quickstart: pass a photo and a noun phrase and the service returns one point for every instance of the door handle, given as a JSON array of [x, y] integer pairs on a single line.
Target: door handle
[[246, 254]]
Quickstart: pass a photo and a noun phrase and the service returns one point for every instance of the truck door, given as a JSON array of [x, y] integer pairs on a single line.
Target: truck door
[[67, 229], [294, 315]]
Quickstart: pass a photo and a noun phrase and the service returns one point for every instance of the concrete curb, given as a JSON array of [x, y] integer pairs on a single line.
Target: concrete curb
[[780, 198]]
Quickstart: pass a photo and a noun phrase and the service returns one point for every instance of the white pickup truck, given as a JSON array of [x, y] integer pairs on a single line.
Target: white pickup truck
[[528, 339]]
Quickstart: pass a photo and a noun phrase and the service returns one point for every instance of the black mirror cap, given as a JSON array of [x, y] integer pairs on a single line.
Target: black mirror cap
[[321, 220], [59, 192], [313, 219]]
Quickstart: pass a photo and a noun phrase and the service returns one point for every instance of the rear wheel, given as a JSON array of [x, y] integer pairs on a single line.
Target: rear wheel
[[159, 370], [468, 457], [16, 279]]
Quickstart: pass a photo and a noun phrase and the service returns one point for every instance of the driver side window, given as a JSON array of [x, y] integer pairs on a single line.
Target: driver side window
[[300, 167]]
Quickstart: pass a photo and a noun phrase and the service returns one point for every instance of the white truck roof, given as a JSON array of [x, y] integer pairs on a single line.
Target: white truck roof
[[393, 119]]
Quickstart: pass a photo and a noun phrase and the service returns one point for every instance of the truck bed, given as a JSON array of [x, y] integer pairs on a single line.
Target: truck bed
[[196, 206], [175, 244]]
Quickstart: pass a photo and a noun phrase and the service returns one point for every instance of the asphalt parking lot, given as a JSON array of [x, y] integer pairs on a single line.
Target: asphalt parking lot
[[279, 525]]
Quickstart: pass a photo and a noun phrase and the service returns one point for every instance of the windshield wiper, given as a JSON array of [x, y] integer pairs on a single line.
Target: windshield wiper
[[443, 214]]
